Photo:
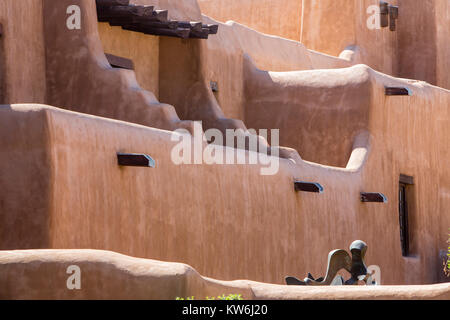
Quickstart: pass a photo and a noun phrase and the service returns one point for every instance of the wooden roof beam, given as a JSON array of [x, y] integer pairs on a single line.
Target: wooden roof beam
[[111, 3]]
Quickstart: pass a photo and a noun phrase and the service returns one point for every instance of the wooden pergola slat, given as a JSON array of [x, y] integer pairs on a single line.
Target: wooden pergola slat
[[149, 21], [110, 3]]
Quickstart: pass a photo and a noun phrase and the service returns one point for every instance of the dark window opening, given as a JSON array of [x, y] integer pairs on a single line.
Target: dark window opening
[[405, 183], [403, 212]]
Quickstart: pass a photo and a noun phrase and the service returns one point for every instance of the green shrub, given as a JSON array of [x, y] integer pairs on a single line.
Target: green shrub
[[188, 298], [447, 261]]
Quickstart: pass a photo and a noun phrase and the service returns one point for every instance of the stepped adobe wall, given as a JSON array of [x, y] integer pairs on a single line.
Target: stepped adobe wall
[[66, 112]]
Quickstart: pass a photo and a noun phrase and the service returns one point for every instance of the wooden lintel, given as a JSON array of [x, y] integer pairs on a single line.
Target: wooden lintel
[[406, 179], [110, 3]]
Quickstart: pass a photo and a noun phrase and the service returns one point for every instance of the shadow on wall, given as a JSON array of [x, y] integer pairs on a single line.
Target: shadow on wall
[[2, 68], [80, 78], [417, 42], [183, 85], [319, 112]]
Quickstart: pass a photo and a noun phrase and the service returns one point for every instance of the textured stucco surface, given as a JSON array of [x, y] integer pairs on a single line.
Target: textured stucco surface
[[61, 186], [22, 58], [142, 49], [79, 77], [185, 78], [281, 17], [93, 203], [108, 275], [418, 49]]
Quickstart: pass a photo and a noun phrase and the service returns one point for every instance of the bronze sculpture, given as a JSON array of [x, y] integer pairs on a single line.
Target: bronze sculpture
[[337, 260]]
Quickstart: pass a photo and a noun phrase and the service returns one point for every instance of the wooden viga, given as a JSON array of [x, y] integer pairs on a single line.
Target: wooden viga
[[147, 20]]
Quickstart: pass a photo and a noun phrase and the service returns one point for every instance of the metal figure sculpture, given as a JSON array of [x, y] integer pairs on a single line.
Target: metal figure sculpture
[[337, 260]]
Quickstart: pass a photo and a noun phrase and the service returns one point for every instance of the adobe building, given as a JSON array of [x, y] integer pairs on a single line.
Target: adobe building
[[94, 95]]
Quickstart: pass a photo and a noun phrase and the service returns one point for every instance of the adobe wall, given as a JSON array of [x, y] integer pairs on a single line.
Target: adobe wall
[[442, 11], [186, 68], [22, 53], [418, 49], [142, 49], [41, 274], [325, 26], [82, 199], [79, 77], [24, 204], [96, 204], [424, 50], [282, 17], [319, 112]]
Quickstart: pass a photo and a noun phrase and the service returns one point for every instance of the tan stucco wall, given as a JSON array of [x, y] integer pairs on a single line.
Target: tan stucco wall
[[65, 189], [419, 48], [41, 274], [281, 17], [442, 11], [184, 77], [319, 112], [142, 49], [22, 53], [327, 26], [79, 77], [95, 204], [424, 49]]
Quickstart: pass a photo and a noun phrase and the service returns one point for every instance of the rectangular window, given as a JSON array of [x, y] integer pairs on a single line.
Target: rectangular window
[[405, 183]]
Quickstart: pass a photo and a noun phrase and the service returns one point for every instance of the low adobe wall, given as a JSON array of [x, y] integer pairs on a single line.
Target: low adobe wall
[[65, 190], [319, 112], [41, 274], [79, 77]]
